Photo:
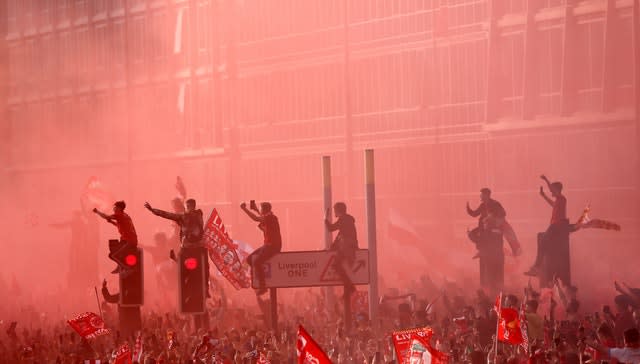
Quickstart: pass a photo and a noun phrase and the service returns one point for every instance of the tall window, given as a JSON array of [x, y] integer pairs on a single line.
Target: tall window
[[46, 13], [100, 48], [137, 36], [81, 10], [159, 41], [16, 68], [12, 16], [590, 51], [28, 21], [204, 31], [509, 74], [549, 62]]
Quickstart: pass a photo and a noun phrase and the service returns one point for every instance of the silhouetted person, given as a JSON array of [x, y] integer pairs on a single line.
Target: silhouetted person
[[191, 228], [128, 237], [558, 232], [268, 223], [83, 252], [491, 215], [191, 222], [129, 317], [488, 239], [345, 243]]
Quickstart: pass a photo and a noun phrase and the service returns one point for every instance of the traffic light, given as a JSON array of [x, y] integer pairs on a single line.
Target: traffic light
[[193, 283], [132, 283]]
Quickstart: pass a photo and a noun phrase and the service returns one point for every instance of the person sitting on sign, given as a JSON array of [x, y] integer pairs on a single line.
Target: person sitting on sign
[[128, 237], [345, 243], [268, 223]]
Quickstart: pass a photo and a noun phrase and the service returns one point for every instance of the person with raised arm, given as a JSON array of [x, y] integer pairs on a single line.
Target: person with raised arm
[[270, 227]]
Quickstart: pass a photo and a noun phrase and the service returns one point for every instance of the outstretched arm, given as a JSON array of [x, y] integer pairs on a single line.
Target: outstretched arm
[[546, 198], [253, 216], [109, 218], [473, 213], [162, 213]]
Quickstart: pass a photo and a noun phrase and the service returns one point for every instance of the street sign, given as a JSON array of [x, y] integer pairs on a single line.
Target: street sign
[[311, 269]]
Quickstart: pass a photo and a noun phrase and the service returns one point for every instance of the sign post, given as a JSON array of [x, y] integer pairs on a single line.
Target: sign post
[[371, 234], [328, 237], [310, 269]]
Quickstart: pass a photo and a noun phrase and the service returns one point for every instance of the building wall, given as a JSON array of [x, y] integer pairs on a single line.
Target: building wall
[[453, 95]]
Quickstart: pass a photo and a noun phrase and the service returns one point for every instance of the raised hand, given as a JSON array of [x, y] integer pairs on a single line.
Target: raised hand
[[148, 206], [243, 205]]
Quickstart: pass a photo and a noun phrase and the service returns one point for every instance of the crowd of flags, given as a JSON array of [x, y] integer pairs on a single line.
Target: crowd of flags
[[411, 346]]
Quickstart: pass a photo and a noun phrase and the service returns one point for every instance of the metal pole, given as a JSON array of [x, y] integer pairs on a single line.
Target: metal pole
[[326, 188], [348, 120], [273, 301], [370, 188], [98, 300]]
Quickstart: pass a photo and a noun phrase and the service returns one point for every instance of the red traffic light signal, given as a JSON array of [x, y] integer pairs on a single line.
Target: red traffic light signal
[[131, 260], [191, 263]]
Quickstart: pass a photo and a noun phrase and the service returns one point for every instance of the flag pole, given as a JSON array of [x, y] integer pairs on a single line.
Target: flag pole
[[98, 302], [495, 343]]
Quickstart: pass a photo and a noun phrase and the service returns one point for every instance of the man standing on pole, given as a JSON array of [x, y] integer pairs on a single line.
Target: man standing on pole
[[345, 243], [268, 223]]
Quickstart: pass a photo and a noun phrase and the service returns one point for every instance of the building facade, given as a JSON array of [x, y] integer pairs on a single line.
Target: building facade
[[243, 97]]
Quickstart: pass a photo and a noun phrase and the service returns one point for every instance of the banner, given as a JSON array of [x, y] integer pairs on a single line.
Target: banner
[[524, 328], [123, 355], [509, 329], [402, 341], [223, 252], [308, 351], [421, 352], [88, 325]]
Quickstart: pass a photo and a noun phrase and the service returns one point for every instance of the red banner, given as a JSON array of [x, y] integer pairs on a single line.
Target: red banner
[[95, 194], [223, 252], [402, 341], [421, 352], [509, 329], [123, 355], [88, 325], [309, 352]]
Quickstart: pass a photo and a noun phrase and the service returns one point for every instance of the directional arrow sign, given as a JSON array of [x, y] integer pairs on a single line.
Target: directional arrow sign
[[311, 269]]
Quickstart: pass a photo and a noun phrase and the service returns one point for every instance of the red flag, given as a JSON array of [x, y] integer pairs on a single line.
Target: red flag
[[262, 359], [309, 352], [180, 187], [509, 329], [223, 252], [88, 325], [402, 341], [95, 194], [137, 349], [422, 352], [524, 328], [123, 355]]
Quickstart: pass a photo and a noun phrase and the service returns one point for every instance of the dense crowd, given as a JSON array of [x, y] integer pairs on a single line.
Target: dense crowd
[[464, 326]]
